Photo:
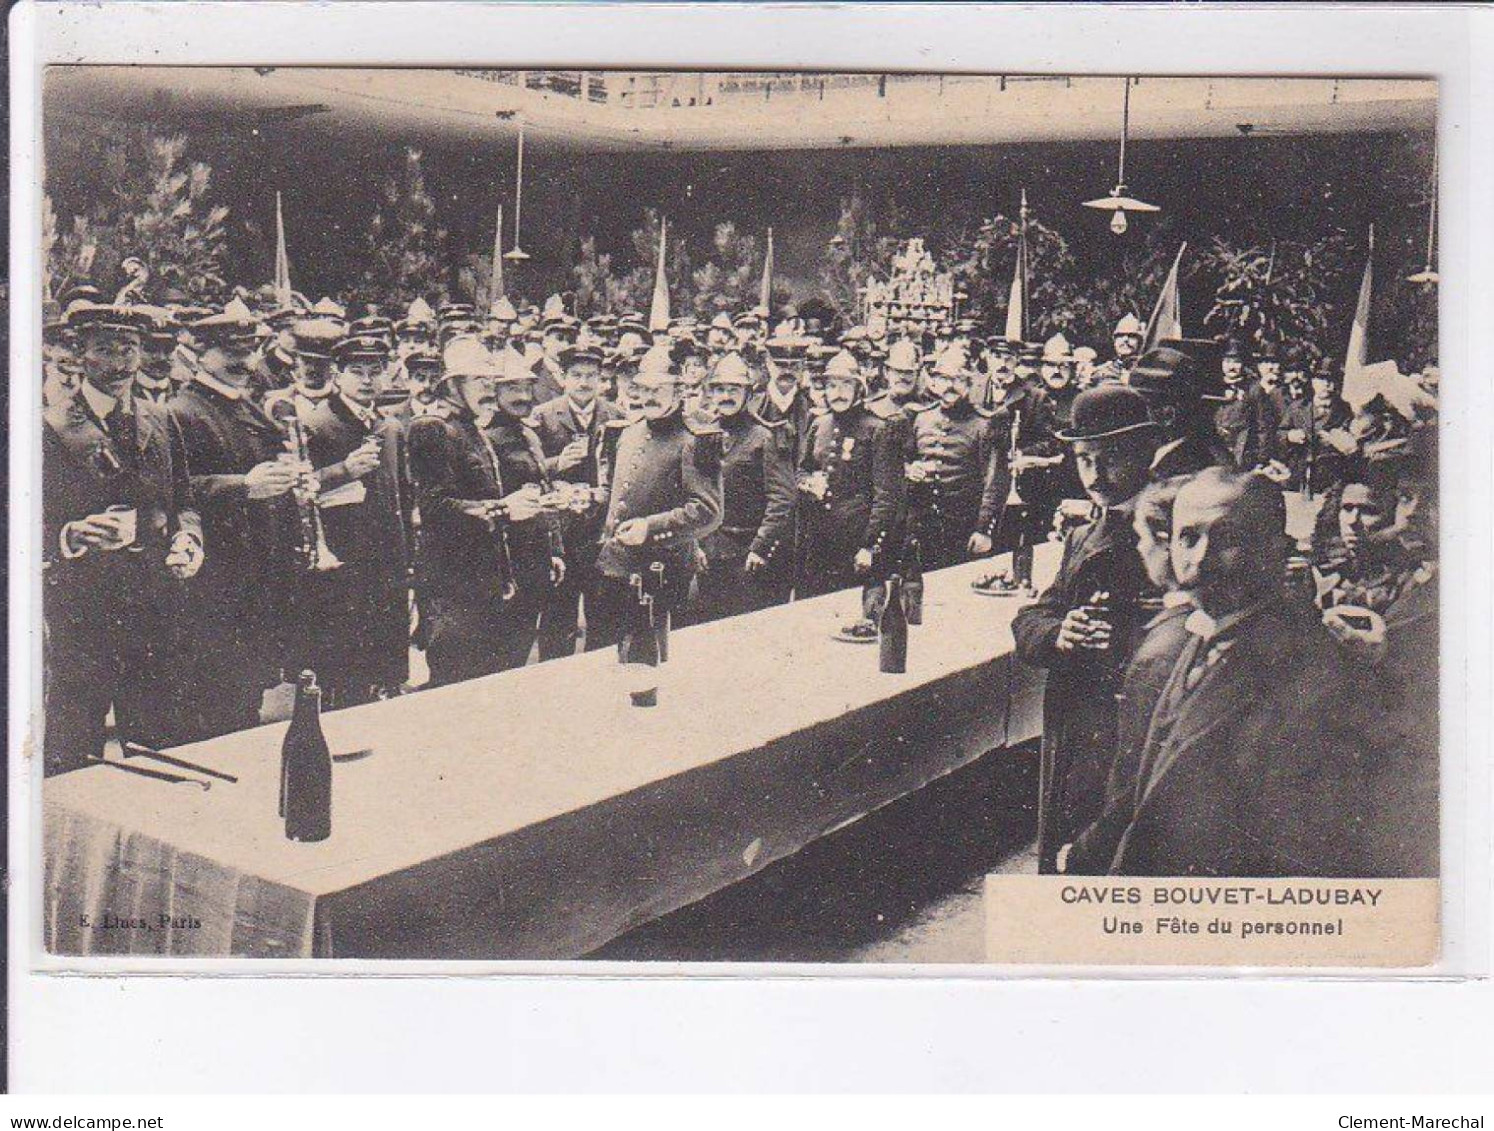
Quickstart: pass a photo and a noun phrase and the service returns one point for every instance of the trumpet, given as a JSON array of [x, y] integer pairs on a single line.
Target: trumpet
[[1013, 497], [314, 553]]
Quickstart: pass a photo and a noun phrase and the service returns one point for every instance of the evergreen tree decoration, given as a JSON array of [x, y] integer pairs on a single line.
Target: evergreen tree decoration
[[864, 243], [406, 247], [730, 279], [634, 289], [157, 209], [594, 282]]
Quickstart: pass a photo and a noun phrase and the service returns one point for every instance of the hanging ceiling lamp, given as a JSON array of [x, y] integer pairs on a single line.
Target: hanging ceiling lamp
[[1118, 203], [1427, 276], [518, 254]]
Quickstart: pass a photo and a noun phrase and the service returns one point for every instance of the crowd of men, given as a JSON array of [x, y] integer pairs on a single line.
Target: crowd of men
[[236, 493]]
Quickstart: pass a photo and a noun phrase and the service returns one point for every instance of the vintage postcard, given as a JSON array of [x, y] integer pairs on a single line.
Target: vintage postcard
[[655, 516]]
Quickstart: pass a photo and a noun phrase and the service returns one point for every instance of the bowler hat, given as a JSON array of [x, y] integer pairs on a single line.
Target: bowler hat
[[1107, 411]]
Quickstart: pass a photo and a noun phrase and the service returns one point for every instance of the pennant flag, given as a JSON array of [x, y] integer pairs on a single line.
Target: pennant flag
[[1167, 316], [1016, 302], [765, 296], [495, 284], [658, 311], [282, 261], [1361, 384]]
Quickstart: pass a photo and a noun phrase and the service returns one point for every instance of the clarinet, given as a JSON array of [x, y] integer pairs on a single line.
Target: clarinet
[[314, 553]]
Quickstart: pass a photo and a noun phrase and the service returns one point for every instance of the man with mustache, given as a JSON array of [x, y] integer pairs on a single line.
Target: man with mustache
[[1259, 751], [1086, 625], [571, 428], [488, 551], [117, 528], [852, 480], [241, 606], [747, 559], [663, 494], [956, 469]]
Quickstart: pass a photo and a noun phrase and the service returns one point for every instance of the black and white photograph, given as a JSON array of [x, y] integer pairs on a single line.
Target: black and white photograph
[[722, 516]]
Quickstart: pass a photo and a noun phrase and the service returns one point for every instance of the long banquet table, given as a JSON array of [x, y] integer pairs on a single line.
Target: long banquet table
[[536, 814]]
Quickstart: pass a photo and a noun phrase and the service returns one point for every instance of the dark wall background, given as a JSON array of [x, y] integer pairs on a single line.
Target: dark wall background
[[1245, 189]]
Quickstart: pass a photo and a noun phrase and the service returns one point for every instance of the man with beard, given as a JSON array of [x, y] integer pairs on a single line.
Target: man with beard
[[241, 605], [356, 618], [1256, 757], [489, 552], [117, 530], [571, 428], [1126, 339], [748, 558], [956, 469], [663, 490], [853, 476], [1086, 625]]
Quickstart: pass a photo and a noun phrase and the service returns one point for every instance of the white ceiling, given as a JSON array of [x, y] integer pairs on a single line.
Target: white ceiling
[[797, 112]]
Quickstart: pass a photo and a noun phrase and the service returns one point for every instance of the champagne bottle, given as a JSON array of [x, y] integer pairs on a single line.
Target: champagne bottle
[[306, 768], [639, 650], [892, 628], [1022, 561], [660, 619], [913, 585]]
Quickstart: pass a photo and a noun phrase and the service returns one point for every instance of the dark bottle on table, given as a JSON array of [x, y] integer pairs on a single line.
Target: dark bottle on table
[[638, 650], [1022, 562], [306, 768], [659, 619], [913, 583], [892, 628]]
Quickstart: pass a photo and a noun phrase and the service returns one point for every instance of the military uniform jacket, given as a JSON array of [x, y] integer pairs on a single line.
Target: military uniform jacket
[[1115, 370], [862, 456], [1256, 760], [758, 491], [796, 418], [249, 543], [373, 531], [667, 474], [453, 465], [1079, 706], [970, 480], [1328, 464], [521, 461], [1247, 425], [86, 469]]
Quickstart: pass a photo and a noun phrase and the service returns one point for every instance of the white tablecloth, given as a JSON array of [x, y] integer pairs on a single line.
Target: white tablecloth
[[536, 813]]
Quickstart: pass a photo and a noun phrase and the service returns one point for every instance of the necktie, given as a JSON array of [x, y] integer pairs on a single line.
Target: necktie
[[120, 424]]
